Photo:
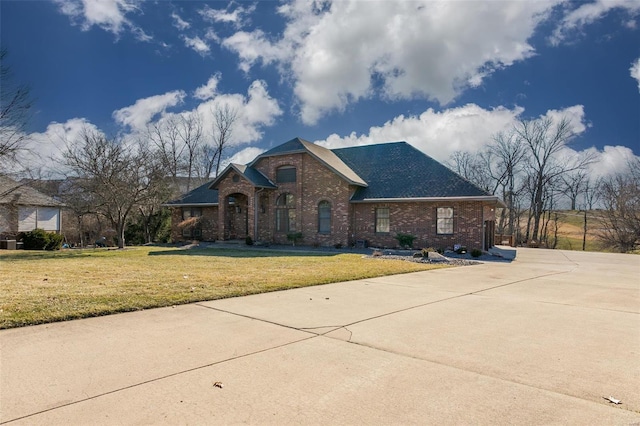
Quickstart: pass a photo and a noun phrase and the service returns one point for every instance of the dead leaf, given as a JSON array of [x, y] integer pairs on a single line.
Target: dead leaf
[[612, 399], [218, 385]]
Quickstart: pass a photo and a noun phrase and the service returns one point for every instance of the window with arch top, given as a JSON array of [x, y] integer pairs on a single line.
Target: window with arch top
[[286, 213]]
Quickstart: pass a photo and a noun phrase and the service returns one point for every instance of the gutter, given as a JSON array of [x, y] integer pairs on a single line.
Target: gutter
[[487, 198], [190, 205]]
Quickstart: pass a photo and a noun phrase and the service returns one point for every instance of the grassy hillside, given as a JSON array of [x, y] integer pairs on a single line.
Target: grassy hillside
[[571, 229]]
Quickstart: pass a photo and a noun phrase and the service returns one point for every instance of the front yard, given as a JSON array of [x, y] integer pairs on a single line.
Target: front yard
[[41, 287]]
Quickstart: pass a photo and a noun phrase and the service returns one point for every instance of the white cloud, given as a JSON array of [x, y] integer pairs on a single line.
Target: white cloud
[[254, 46], [110, 15], [211, 35], [438, 134], [138, 115], [470, 128], [588, 13], [611, 160], [344, 51], [635, 71], [244, 156], [179, 23], [574, 114], [254, 111], [47, 148], [197, 44], [208, 90], [238, 16]]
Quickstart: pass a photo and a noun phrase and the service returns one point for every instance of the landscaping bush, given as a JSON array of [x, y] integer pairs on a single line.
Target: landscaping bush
[[248, 241], [476, 252], [405, 240], [294, 237], [38, 239]]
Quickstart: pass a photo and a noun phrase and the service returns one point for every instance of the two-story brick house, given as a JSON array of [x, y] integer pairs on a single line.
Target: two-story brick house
[[340, 196]]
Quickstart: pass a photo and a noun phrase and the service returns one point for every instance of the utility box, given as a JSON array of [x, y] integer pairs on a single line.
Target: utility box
[[8, 244]]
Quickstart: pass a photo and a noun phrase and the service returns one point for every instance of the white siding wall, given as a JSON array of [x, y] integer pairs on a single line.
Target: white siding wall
[[30, 218]]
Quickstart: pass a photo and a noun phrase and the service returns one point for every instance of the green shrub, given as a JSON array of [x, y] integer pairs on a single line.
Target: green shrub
[[294, 237], [476, 252], [248, 241], [405, 240], [38, 239]]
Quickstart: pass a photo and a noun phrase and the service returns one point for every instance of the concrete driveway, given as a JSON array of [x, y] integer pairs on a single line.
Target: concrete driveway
[[540, 340]]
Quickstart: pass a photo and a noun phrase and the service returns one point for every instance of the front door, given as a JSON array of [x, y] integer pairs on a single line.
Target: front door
[[489, 232]]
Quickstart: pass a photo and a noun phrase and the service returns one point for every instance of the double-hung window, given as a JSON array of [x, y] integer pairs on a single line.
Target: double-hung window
[[286, 174], [382, 220], [444, 220], [324, 217]]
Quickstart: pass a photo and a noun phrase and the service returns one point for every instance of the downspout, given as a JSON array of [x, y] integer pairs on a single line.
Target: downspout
[[255, 213], [484, 229]]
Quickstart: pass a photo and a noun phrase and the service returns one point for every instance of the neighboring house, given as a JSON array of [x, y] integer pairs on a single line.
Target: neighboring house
[[358, 195], [23, 209]]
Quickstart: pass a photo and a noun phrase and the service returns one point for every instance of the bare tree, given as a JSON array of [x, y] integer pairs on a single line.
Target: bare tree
[[163, 135], [176, 141], [544, 140], [159, 190], [224, 119], [473, 168], [620, 196], [15, 107], [190, 134], [508, 153], [590, 194], [117, 176], [573, 185]]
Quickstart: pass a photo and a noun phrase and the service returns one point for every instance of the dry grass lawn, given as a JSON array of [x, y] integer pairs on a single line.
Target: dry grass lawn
[[41, 287]]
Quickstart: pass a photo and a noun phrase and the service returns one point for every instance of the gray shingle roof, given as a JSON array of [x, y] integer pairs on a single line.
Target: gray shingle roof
[[389, 171], [201, 195], [290, 147], [399, 171], [17, 193], [322, 154]]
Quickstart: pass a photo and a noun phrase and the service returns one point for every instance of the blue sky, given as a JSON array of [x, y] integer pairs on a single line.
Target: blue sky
[[442, 76]]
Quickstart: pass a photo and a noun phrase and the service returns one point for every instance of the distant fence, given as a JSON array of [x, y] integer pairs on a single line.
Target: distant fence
[[504, 240]]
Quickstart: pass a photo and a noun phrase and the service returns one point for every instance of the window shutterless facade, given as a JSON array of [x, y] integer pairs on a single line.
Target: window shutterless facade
[[324, 217], [188, 212], [194, 230], [286, 174], [382, 220], [444, 220], [286, 213]]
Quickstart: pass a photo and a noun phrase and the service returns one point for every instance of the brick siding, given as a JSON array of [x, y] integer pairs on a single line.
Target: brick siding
[[350, 222]]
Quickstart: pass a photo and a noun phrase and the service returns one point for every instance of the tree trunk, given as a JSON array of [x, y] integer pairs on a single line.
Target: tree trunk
[[120, 229], [584, 234], [555, 230]]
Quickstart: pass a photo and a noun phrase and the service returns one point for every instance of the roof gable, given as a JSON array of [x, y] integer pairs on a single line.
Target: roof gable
[[323, 155], [12, 192], [253, 176], [201, 195], [399, 171]]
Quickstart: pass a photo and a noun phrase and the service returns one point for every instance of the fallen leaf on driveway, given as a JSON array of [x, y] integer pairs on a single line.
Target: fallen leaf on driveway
[[612, 399], [218, 385]]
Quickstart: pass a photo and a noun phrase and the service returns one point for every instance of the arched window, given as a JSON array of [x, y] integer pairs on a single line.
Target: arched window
[[286, 174], [324, 217], [286, 213]]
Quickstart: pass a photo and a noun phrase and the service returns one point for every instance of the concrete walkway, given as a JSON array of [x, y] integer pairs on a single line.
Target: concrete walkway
[[540, 340]]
